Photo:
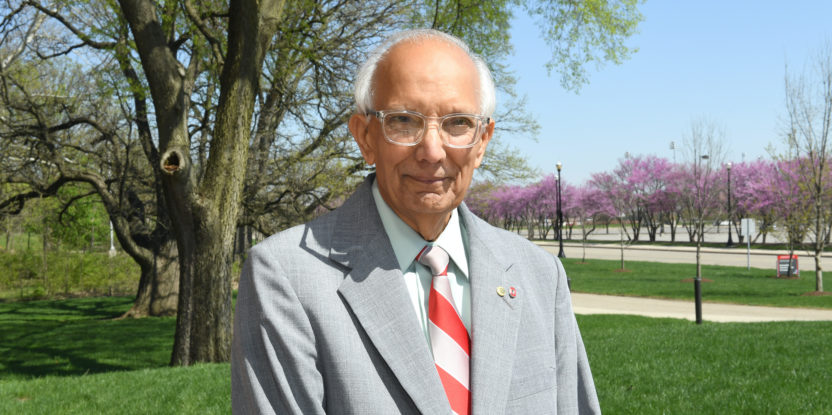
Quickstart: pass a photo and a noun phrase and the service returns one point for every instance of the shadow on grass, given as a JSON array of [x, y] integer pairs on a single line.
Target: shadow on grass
[[78, 336], [76, 308]]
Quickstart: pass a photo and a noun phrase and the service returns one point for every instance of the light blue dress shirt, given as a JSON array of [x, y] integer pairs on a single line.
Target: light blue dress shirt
[[407, 243]]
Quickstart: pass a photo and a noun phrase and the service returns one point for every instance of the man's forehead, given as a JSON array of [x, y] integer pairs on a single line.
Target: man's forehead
[[414, 51], [432, 69]]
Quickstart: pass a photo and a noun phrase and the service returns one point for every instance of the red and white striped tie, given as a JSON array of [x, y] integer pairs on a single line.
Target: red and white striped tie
[[448, 338]]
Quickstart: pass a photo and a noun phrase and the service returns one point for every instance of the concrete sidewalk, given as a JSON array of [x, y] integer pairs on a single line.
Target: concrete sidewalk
[[715, 312]]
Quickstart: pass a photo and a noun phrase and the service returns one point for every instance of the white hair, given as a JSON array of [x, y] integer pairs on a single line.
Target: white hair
[[364, 77]]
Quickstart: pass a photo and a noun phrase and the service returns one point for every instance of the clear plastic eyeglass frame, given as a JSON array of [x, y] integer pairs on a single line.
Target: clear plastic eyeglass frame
[[444, 134]]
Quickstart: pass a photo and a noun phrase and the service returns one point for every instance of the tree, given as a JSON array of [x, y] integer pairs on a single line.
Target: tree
[[809, 114], [481, 201], [61, 126], [758, 196], [589, 205], [621, 191], [647, 180], [617, 201], [204, 209], [672, 199], [792, 201], [584, 32], [704, 154]]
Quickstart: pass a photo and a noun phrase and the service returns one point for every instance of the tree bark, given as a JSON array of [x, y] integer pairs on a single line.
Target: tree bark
[[818, 272], [158, 291]]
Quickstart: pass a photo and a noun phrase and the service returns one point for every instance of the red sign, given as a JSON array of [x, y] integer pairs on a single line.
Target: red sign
[[787, 266]]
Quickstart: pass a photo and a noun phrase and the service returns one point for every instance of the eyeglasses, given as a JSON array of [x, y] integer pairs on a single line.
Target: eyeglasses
[[407, 128]]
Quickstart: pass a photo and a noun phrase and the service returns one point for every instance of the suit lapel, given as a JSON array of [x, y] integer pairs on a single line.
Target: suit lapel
[[376, 293], [495, 318]]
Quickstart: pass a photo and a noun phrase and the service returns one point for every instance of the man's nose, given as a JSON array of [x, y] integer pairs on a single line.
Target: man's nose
[[431, 149]]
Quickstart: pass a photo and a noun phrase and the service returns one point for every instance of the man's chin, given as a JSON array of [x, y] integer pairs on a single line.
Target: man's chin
[[432, 203]]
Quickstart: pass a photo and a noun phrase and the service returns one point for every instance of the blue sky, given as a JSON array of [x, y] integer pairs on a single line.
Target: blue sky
[[720, 60]]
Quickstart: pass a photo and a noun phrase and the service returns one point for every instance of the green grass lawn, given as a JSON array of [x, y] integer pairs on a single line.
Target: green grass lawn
[[654, 366], [79, 337], [724, 284], [71, 357]]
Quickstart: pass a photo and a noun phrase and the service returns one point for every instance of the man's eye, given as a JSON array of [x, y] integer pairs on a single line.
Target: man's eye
[[459, 123], [401, 119]]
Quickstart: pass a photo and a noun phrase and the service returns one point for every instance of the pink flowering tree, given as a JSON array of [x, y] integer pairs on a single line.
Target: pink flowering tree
[[609, 186], [542, 205], [586, 205], [753, 196], [481, 200], [648, 180], [508, 206], [674, 191], [617, 200]]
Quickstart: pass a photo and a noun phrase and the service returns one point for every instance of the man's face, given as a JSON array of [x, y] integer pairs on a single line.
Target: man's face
[[426, 181]]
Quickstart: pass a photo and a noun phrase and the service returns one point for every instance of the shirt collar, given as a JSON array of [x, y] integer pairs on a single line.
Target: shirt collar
[[407, 242]]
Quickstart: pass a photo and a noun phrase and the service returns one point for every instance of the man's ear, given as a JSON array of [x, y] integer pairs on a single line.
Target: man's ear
[[360, 128], [486, 138]]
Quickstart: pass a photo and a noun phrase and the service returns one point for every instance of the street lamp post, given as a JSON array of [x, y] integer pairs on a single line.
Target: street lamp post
[[673, 147], [560, 216], [730, 217]]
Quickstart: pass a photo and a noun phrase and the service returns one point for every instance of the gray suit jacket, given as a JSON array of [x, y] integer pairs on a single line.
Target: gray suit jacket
[[324, 324]]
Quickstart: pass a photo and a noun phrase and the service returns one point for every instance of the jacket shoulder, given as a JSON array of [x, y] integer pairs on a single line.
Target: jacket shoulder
[[313, 236]]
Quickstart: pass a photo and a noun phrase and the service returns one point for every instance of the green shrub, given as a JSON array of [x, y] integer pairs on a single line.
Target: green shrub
[[66, 273]]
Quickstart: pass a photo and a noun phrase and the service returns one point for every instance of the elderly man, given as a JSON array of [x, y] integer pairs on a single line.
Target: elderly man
[[401, 300]]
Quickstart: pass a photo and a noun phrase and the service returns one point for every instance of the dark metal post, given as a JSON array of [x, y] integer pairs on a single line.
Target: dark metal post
[[560, 217], [697, 288], [730, 216]]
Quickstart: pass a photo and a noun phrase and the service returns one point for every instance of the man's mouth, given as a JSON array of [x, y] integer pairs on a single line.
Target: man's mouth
[[428, 179]]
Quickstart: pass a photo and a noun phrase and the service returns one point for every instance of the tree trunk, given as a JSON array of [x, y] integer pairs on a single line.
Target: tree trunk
[[621, 242], [204, 333], [818, 272], [240, 245], [651, 232], [158, 290], [699, 258], [9, 234], [203, 207], [636, 230]]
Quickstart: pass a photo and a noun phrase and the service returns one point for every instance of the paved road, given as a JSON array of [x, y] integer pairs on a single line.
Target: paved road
[[759, 258], [609, 304]]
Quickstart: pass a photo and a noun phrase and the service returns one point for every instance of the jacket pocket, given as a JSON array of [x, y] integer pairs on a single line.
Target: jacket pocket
[[539, 381]]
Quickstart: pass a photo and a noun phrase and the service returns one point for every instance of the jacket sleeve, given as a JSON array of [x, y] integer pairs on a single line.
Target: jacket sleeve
[[576, 389], [273, 355]]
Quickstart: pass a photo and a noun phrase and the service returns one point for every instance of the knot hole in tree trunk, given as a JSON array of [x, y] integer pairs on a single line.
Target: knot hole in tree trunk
[[172, 162]]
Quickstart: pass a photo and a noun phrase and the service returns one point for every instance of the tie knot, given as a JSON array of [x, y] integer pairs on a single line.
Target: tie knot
[[434, 258]]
